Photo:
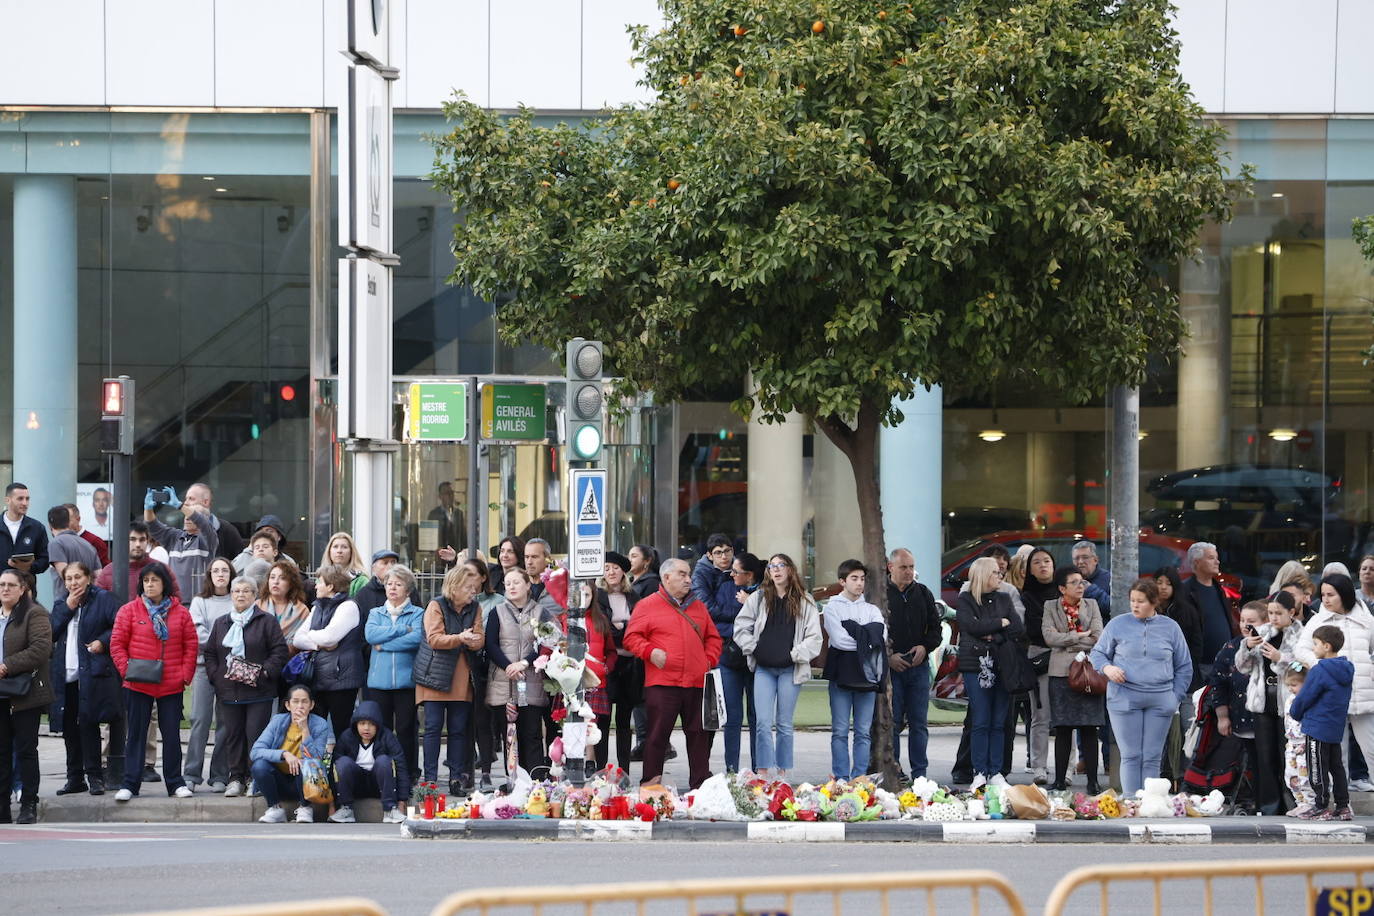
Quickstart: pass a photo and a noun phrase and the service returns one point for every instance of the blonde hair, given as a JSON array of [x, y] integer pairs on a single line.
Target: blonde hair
[[355, 560], [455, 578], [1016, 571], [980, 576]]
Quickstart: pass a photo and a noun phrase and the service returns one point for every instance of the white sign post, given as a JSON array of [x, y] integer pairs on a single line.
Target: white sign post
[[587, 522]]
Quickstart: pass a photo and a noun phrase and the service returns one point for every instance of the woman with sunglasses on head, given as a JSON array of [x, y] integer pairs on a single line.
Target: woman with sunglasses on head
[[779, 631]]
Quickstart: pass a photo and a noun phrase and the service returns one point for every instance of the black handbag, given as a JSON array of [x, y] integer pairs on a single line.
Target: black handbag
[[1014, 669], [16, 686], [732, 656], [146, 670]]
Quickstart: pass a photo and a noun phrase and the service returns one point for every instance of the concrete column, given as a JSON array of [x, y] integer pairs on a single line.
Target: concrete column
[[911, 477], [776, 488], [836, 508], [45, 316], [1204, 374]]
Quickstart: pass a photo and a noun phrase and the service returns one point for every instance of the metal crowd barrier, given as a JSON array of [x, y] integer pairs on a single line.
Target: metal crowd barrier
[[337, 906], [1164, 874], [749, 895]]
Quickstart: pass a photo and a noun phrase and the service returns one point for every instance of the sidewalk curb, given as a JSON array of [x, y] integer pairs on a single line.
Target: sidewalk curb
[[1238, 831]]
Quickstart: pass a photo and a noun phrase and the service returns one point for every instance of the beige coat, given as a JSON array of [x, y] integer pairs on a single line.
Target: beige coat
[[1065, 646], [438, 639]]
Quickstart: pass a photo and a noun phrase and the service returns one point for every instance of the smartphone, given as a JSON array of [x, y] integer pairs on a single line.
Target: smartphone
[[1250, 629], [21, 556]]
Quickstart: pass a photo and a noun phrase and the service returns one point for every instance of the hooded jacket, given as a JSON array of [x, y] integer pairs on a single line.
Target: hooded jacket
[[1322, 702], [715, 588], [806, 635], [1358, 627], [384, 743]]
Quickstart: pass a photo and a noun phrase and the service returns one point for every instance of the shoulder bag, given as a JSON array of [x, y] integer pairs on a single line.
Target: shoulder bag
[[146, 670], [16, 686], [712, 692], [243, 671], [1085, 679]]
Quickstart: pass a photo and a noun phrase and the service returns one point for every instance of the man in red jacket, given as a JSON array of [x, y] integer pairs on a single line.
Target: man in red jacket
[[673, 633]]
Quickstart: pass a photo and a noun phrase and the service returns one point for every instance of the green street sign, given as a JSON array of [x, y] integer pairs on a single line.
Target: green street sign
[[438, 412], [514, 413]]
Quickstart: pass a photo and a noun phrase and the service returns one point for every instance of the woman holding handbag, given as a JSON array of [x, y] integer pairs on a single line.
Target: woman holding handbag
[[244, 654], [25, 650], [280, 752], [1071, 625], [154, 647], [1145, 657]]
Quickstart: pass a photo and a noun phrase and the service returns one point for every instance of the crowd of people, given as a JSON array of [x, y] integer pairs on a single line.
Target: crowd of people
[[349, 675]]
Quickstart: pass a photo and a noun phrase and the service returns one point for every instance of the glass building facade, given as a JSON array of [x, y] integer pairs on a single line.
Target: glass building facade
[[204, 252]]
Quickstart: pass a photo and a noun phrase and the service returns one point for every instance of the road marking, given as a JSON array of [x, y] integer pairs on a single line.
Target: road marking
[[797, 832], [313, 836]]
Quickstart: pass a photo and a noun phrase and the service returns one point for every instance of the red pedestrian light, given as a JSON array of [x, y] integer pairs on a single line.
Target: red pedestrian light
[[288, 393]]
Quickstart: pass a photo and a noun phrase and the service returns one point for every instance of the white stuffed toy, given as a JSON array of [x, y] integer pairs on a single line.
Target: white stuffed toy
[[1154, 799], [1211, 805]]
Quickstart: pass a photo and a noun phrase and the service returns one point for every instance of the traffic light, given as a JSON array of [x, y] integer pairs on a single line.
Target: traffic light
[[586, 399], [117, 416]]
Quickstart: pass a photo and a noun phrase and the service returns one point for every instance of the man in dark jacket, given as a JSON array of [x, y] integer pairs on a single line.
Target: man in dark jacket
[[1213, 605], [913, 633], [369, 763], [22, 536], [715, 587], [373, 594]]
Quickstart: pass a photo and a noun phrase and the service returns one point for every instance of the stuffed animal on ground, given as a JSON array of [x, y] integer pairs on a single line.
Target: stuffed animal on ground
[[1154, 799]]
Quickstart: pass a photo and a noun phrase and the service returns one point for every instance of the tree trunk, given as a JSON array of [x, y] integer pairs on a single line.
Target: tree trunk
[[860, 445]]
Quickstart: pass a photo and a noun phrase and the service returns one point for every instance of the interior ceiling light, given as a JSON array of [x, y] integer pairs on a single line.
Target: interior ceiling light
[[1276, 194], [1283, 435], [992, 435], [1142, 434]]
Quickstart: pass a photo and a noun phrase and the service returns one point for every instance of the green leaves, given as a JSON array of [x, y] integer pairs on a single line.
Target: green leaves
[[936, 195]]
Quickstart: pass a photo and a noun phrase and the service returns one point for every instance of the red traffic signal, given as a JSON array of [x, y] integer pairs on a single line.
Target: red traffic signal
[[112, 403], [287, 392]]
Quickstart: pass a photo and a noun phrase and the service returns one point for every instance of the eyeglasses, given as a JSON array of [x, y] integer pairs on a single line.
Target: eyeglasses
[[723, 552], [9, 585], [777, 565]]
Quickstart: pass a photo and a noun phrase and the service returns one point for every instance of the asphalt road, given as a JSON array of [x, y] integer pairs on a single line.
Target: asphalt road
[[158, 867]]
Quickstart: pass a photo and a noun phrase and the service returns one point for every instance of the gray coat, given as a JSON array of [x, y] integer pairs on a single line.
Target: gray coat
[[1065, 646]]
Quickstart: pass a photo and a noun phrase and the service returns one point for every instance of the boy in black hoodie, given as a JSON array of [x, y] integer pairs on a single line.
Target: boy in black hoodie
[[369, 763]]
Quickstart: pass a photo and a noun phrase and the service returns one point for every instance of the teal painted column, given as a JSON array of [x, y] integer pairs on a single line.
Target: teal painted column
[[43, 343], [910, 474]]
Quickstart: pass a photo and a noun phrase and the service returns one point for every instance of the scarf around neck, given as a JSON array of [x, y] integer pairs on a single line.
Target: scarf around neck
[[158, 614], [233, 637]]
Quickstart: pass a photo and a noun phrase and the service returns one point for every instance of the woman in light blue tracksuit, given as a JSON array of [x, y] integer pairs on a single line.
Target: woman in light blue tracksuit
[[1145, 658], [394, 631]]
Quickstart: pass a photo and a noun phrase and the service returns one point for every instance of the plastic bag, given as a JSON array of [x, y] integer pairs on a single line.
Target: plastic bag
[[713, 801]]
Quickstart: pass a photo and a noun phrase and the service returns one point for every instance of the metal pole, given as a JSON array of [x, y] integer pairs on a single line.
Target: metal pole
[[121, 474], [474, 444], [1124, 522]]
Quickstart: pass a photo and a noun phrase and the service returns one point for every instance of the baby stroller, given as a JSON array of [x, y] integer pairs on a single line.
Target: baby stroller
[[1220, 762]]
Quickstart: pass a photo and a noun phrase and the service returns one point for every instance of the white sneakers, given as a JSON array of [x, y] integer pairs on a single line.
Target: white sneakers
[[978, 782], [234, 789], [123, 795], [183, 792], [392, 816], [1361, 785], [275, 815], [998, 780], [343, 816], [1040, 776], [304, 815]]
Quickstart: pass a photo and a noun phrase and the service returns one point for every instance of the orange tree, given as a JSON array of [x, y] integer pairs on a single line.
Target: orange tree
[[848, 199]]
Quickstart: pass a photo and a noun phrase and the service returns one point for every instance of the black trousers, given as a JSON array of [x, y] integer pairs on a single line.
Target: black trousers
[[529, 734], [19, 739], [488, 730], [240, 726], [401, 715], [1269, 745], [81, 738], [337, 707], [1326, 770], [139, 712]]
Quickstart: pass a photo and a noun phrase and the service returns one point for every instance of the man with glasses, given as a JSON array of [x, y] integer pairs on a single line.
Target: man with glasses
[[913, 633], [715, 587]]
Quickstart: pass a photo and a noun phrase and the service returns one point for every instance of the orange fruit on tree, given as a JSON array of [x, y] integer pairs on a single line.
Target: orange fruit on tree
[[674, 184], [818, 26], [739, 31], [882, 14], [739, 71]]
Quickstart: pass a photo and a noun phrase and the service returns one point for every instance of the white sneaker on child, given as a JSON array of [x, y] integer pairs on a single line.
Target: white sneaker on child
[[304, 815]]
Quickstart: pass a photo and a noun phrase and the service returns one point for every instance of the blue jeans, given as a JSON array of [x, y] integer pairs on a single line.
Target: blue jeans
[[1140, 722], [987, 711], [842, 703], [738, 687], [276, 785], [910, 705], [775, 699], [455, 714]]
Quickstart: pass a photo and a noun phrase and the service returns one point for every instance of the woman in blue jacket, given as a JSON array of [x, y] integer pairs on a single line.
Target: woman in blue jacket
[[290, 737], [81, 628], [394, 631], [1145, 658]]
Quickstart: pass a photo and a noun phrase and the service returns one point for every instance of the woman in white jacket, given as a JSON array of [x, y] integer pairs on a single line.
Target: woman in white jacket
[[1340, 608], [1265, 655], [779, 631]]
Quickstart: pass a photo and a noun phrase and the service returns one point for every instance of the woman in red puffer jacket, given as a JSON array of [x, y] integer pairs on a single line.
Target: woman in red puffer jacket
[[154, 631]]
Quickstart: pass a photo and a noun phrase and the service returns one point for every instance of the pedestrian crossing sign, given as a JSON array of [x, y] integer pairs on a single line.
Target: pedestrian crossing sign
[[587, 537]]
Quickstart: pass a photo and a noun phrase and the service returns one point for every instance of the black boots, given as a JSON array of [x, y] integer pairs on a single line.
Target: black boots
[[28, 813], [97, 785]]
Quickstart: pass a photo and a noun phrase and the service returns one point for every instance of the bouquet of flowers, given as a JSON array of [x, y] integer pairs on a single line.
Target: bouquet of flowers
[[547, 634], [807, 804], [1086, 807], [424, 790]]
